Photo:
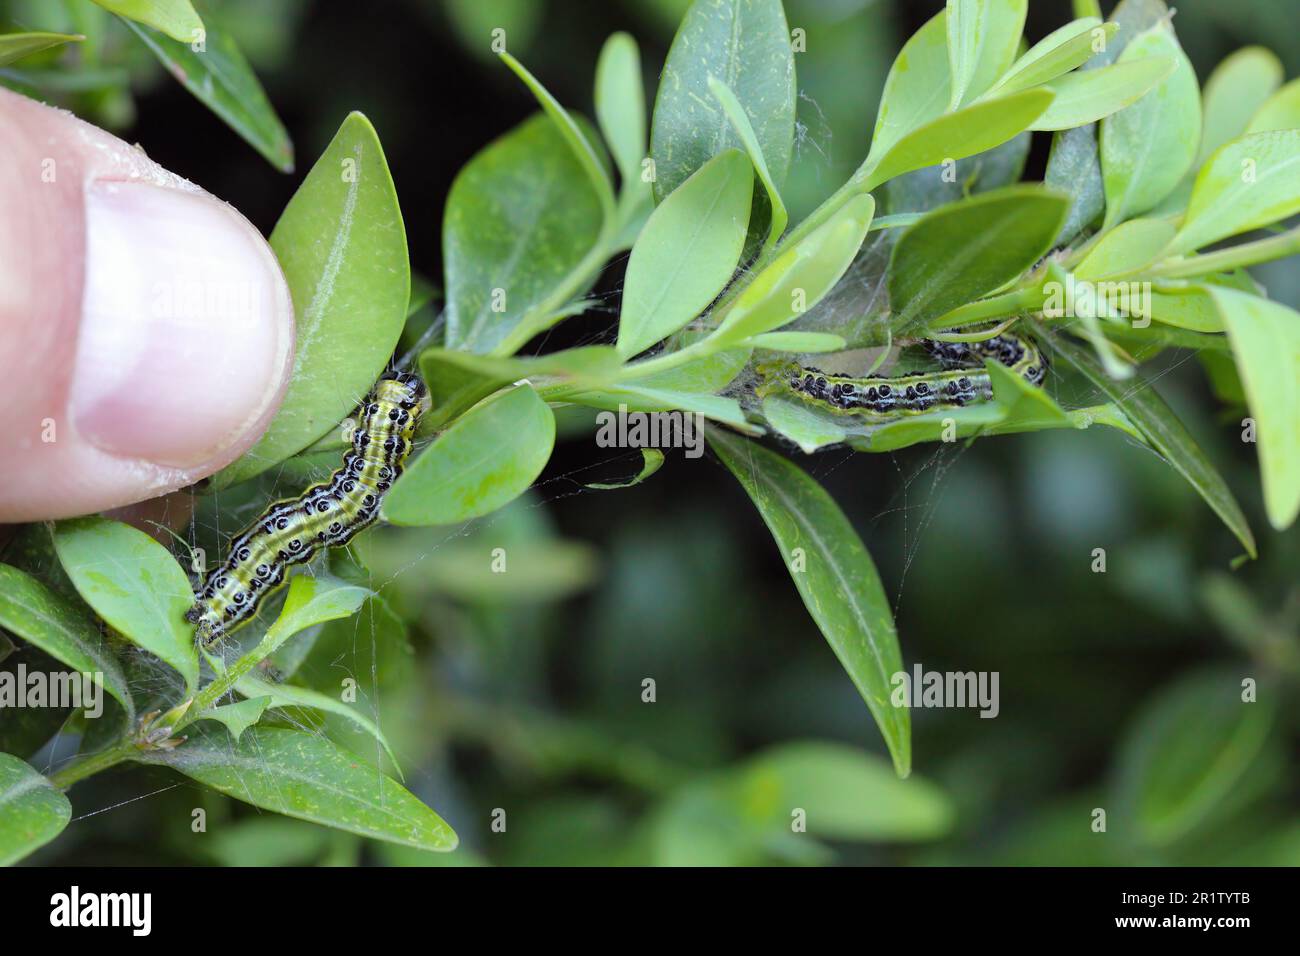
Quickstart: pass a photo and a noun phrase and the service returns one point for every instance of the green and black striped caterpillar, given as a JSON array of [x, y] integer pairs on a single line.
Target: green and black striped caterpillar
[[961, 380], [326, 515]]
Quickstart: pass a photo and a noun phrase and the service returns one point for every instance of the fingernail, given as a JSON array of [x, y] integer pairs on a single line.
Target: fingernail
[[186, 325]]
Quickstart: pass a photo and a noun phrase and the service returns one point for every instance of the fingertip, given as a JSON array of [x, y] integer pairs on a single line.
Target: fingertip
[[186, 335], [146, 329]]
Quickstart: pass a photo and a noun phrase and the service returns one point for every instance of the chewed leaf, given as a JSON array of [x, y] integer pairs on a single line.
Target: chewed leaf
[[238, 716], [652, 461]]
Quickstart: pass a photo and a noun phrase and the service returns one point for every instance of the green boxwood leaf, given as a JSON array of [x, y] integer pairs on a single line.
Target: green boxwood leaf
[[288, 695], [1086, 96], [1187, 751], [746, 44], [15, 46], [1127, 248], [1265, 339], [460, 380], [620, 104], [908, 196], [686, 252], [706, 376], [640, 398], [798, 278], [1237, 89], [134, 584], [834, 574], [176, 19], [238, 716], [50, 621], [972, 129], [1247, 183], [1186, 307], [1280, 111], [806, 343], [221, 79], [311, 599], [983, 36], [967, 249], [1144, 407], [846, 794], [269, 841], [1073, 168], [342, 245], [802, 425], [779, 217], [305, 775], [574, 137], [1147, 147], [935, 426], [520, 219], [1057, 53], [488, 457], [917, 88], [32, 810]]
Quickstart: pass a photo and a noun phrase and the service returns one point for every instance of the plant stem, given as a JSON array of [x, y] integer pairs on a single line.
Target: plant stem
[[223, 683], [1087, 8], [1234, 257], [87, 766]]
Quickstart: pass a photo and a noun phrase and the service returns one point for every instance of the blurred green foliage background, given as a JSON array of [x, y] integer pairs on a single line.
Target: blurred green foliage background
[[523, 692]]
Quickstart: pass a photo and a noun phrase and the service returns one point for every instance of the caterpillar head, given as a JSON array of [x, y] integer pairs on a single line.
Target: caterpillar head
[[406, 389], [208, 629], [773, 375]]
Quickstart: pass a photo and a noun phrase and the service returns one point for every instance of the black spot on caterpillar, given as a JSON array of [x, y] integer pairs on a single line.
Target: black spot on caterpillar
[[326, 515], [959, 382]]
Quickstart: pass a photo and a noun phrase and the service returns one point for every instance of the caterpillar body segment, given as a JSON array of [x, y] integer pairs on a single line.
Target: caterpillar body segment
[[960, 381], [326, 515]]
